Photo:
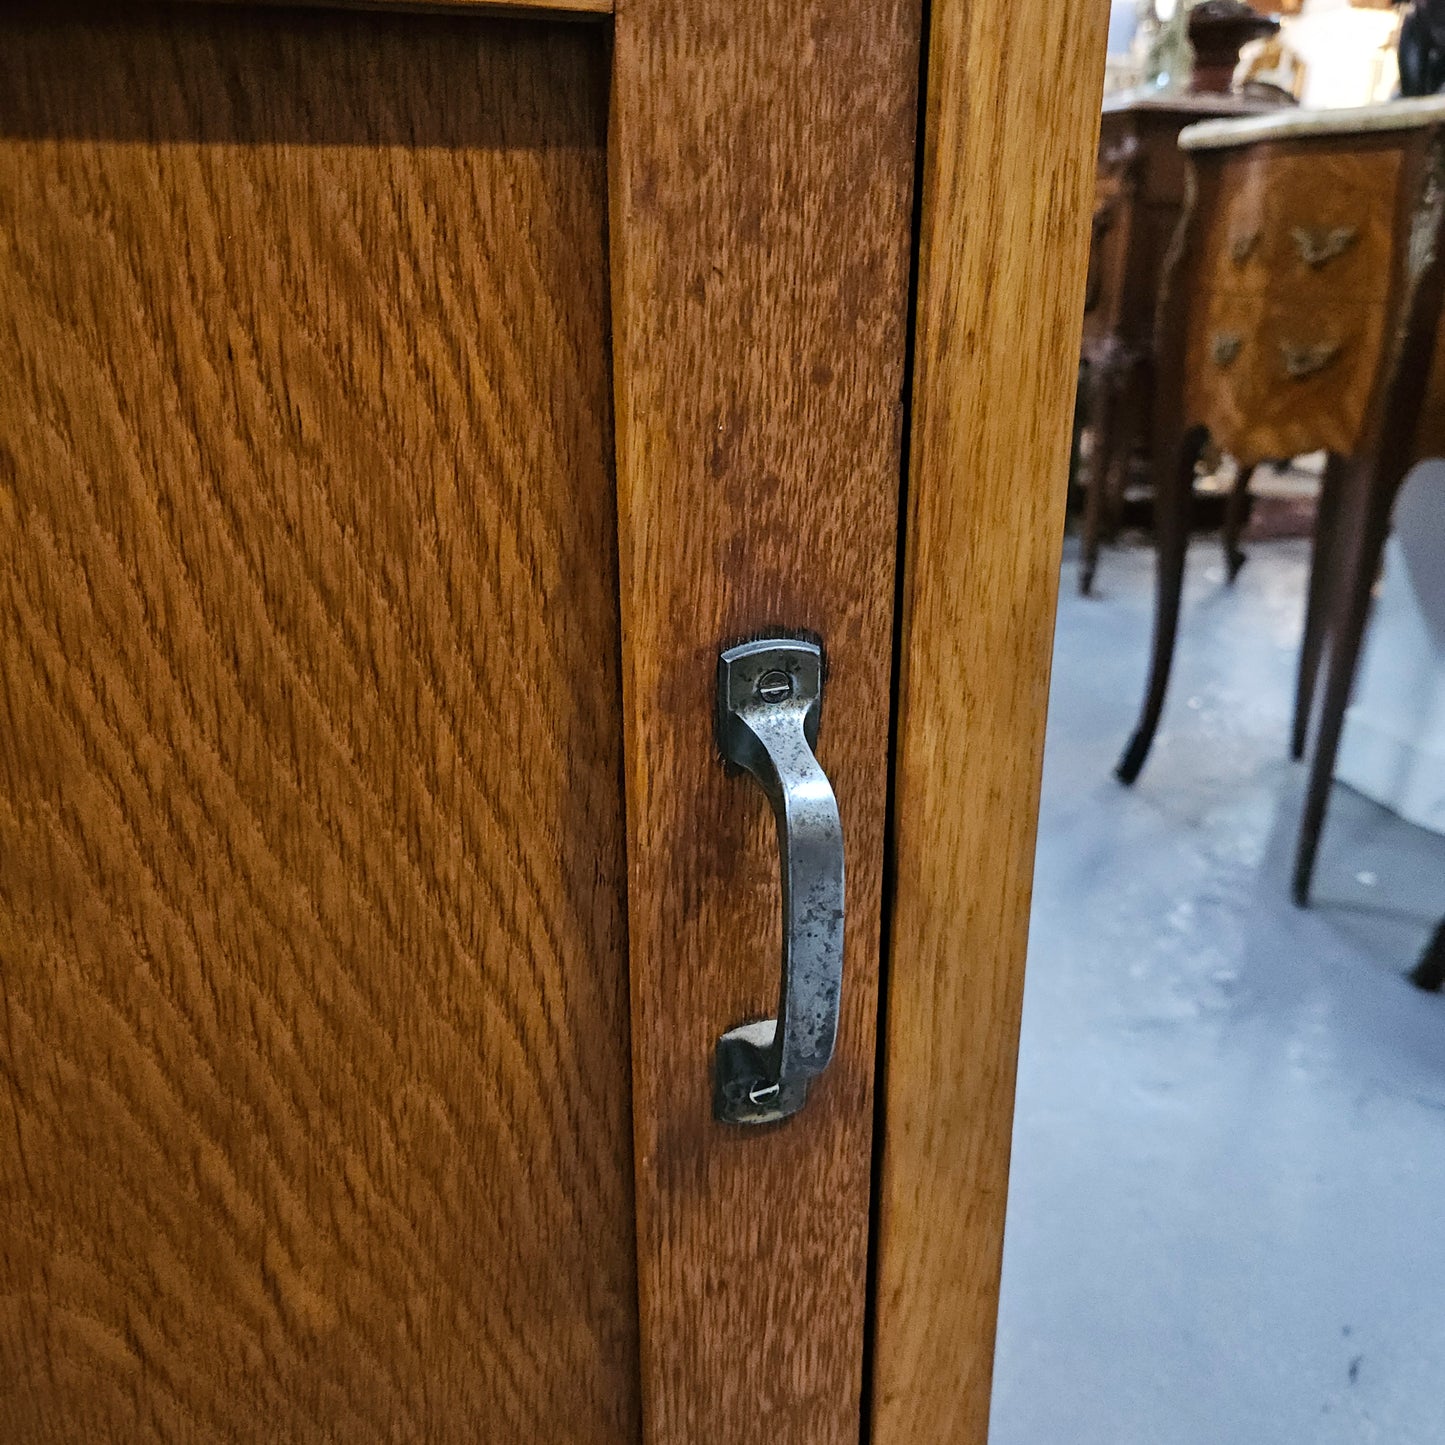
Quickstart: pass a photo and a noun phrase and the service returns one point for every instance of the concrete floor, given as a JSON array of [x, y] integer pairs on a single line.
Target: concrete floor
[[1225, 1213]]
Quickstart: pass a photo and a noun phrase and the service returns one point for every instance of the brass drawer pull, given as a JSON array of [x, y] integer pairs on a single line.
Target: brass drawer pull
[[1225, 348], [1318, 244], [1305, 361], [1241, 246]]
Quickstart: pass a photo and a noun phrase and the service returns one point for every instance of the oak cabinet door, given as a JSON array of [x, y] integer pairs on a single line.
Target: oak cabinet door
[[399, 414], [312, 901]]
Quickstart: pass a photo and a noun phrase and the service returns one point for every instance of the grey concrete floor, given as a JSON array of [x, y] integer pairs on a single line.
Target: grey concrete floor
[[1225, 1212]]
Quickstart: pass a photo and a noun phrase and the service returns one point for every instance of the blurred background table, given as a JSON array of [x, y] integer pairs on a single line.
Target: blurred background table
[[1300, 313], [1138, 202]]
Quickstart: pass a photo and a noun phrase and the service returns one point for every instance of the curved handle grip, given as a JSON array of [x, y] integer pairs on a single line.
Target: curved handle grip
[[769, 698]]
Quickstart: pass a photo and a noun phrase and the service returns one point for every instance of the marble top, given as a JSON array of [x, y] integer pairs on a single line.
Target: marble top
[[1292, 124], [1189, 102]]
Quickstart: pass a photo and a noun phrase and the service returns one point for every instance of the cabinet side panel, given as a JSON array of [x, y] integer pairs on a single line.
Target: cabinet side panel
[[316, 1072], [1012, 119], [761, 185]]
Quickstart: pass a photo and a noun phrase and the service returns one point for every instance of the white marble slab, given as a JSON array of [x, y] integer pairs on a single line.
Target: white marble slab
[[1292, 124], [1207, 103]]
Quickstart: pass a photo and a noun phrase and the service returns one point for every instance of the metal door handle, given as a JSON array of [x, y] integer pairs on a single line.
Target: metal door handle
[[769, 696]]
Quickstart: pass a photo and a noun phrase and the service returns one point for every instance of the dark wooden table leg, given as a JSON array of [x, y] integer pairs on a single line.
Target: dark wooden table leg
[[1429, 973], [1101, 389], [1081, 420], [1365, 511], [1235, 506], [1133, 398], [1173, 504], [1103, 419], [1317, 605]]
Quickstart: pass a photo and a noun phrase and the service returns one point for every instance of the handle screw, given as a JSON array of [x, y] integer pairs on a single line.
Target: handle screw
[[775, 686]]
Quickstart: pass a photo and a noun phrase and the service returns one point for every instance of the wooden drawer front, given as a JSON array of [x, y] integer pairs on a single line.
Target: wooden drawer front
[[1276, 378], [1315, 228]]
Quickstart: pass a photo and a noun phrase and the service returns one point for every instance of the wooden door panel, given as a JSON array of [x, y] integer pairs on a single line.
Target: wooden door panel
[[762, 170], [315, 1051]]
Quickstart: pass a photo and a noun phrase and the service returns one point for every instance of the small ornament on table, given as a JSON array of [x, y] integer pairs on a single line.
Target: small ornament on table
[[1218, 29]]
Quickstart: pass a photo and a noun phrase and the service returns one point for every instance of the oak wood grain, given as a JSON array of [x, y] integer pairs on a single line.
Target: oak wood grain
[[315, 1056], [531, 9], [761, 175], [1011, 128]]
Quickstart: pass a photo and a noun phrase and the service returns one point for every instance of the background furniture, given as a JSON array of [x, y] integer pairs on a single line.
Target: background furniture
[[1301, 314], [1218, 30], [1138, 201], [399, 413]]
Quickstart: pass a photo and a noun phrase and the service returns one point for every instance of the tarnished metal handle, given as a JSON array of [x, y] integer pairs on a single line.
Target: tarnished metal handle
[[768, 701]]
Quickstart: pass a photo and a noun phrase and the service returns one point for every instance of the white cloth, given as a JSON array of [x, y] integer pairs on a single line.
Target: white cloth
[[1393, 749]]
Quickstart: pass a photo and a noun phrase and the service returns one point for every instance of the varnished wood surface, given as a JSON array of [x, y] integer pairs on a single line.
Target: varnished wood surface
[[1013, 92], [1276, 198], [533, 9], [1247, 283], [314, 1049], [762, 166], [1255, 406]]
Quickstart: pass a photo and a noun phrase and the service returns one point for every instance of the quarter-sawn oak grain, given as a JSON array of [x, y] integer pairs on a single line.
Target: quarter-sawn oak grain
[[315, 1056], [1012, 125], [762, 159]]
